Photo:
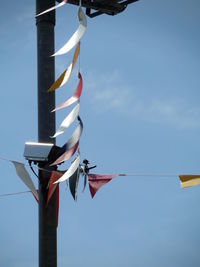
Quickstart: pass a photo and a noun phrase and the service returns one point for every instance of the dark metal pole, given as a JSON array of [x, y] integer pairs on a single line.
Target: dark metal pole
[[46, 128]]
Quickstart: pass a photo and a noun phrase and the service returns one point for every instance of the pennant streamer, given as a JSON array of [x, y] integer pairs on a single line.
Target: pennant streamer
[[75, 97], [72, 169], [57, 202], [23, 174], [52, 187], [68, 120], [66, 155], [71, 143], [189, 180], [52, 8], [76, 36], [64, 77], [73, 183], [98, 180]]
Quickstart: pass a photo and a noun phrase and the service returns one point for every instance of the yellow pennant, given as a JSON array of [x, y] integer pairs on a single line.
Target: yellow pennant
[[189, 180], [64, 77]]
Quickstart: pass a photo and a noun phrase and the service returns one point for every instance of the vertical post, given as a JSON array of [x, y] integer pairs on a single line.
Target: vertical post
[[46, 128]]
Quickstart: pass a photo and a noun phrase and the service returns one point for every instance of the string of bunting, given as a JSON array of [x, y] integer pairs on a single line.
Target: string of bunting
[[72, 145], [95, 181]]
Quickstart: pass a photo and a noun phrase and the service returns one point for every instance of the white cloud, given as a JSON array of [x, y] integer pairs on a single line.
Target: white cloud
[[111, 93]]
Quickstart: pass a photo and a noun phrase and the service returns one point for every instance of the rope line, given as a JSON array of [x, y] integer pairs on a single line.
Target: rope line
[[128, 174], [14, 194]]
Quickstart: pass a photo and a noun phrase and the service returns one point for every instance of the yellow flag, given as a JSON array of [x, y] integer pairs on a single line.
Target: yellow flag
[[63, 78], [189, 180]]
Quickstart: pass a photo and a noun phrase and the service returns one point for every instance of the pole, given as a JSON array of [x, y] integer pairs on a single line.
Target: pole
[[46, 128]]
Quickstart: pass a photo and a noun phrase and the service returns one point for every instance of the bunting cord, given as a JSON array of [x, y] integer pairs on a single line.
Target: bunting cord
[[128, 174], [14, 194]]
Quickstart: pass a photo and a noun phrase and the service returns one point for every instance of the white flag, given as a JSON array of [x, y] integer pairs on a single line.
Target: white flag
[[23, 174], [76, 36], [68, 120], [72, 169]]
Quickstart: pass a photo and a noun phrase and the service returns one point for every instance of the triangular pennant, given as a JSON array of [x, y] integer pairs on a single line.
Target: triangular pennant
[[76, 36], [52, 187], [75, 97], [68, 120], [24, 176], [189, 180], [66, 155], [52, 8], [69, 148], [64, 77], [72, 169], [96, 181], [73, 184]]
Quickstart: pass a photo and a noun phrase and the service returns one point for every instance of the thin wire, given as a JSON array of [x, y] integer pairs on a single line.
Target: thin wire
[[128, 174], [151, 175], [14, 194]]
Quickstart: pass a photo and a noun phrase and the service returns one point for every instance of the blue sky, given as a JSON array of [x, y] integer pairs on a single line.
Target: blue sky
[[140, 109]]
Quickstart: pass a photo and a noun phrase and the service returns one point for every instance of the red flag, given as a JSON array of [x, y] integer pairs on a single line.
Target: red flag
[[98, 180], [76, 95], [57, 203], [52, 187]]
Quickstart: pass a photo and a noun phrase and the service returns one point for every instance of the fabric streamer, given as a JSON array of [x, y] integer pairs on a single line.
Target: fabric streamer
[[52, 187], [189, 180], [76, 95], [72, 169], [98, 180], [52, 8], [74, 138], [73, 184], [24, 176], [57, 203], [64, 77], [66, 155], [76, 36], [68, 120], [69, 148]]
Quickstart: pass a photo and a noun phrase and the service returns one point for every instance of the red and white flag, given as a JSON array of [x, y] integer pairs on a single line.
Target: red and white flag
[[76, 95]]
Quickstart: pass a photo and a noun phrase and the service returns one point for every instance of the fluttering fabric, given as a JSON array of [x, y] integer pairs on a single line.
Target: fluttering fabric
[[74, 138], [189, 180], [68, 120], [64, 77], [72, 169], [52, 187], [73, 184], [24, 176], [96, 181], [76, 36], [52, 8], [66, 155], [69, 148], [76, 95], [57, 203]]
